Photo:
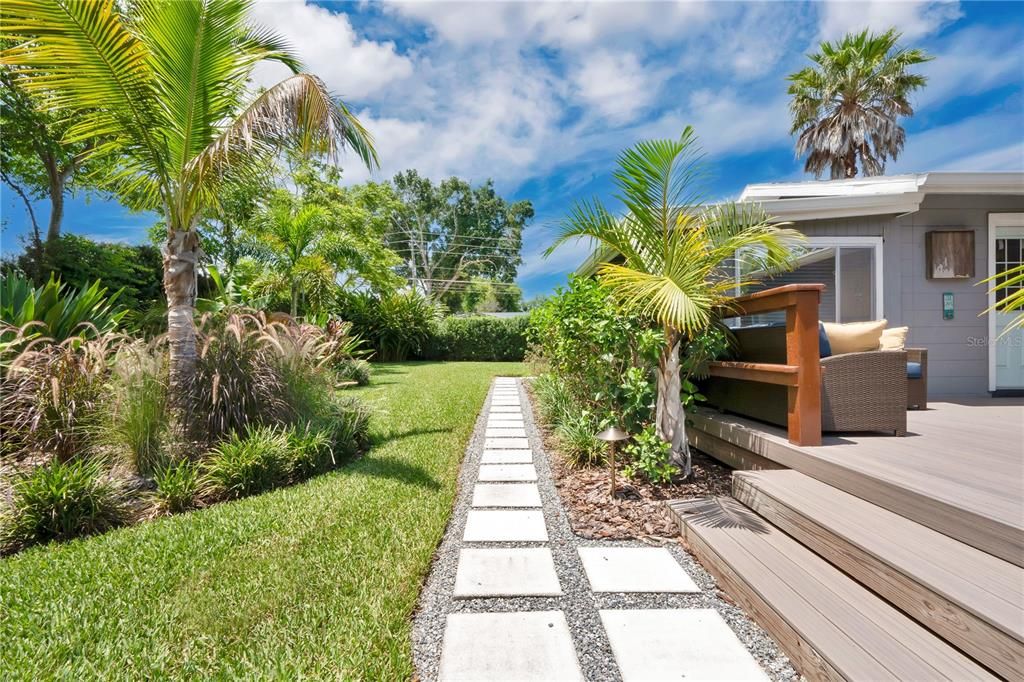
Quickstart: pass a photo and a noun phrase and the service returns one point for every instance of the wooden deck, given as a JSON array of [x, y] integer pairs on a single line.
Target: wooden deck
[[960, 469], [875, 557]]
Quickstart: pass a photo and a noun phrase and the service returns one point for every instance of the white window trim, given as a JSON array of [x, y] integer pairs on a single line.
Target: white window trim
[[995, 220], [874, 243]]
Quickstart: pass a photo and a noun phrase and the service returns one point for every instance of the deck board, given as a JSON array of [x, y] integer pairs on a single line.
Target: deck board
[[961, 472]]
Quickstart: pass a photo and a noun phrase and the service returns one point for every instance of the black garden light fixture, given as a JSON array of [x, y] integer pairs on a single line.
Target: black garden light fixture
[[613, 435]]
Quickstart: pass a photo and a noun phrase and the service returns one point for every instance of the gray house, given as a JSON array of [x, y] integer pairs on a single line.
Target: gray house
[[912, 249]]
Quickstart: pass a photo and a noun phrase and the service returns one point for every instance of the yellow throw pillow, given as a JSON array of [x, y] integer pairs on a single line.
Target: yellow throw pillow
[[894, 338], [854, 337]]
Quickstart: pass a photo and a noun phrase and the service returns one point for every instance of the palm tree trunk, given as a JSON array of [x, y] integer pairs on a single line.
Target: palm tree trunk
[[295, 300], [850, 162], [181, 253], [669, 417]]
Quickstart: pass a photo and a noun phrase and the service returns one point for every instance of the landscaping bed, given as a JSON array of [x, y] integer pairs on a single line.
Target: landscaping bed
[[637, 512], [315, 580]]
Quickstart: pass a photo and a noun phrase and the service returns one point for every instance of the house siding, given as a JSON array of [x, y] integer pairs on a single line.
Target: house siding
[[957, 348]]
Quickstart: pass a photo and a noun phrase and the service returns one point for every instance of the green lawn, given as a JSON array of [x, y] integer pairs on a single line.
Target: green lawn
[[316, 580]]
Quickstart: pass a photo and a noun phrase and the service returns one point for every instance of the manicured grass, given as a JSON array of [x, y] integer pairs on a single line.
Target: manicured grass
[[316, 580]]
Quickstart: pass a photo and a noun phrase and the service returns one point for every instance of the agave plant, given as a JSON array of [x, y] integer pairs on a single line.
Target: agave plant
[[163, 90], [60, 311]]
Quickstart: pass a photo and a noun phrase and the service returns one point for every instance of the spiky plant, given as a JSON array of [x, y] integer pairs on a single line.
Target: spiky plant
[[846, 108], [670, 258], [163, 89]]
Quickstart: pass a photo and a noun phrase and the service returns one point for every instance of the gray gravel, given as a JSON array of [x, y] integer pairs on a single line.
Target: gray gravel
[[578, 603]]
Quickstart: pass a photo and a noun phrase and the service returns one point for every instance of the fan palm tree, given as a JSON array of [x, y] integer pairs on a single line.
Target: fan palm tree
[[163, 89], [846, 107], [671, 258]]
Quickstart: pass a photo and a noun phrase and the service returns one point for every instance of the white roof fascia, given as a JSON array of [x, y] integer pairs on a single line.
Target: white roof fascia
[[817, 208], [1009, 182]]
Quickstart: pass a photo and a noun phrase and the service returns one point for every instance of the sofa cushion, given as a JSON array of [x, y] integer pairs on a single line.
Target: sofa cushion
[[913, 370], [894, 338], [854, 337], [824, 349]]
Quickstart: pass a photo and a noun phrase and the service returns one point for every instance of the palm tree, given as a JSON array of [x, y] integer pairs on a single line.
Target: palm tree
[[301, 245], [846, 108], [163, 89], [670, 257]]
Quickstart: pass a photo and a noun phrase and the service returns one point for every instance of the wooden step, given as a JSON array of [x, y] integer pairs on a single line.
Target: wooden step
[[832, 627], [969, 598]]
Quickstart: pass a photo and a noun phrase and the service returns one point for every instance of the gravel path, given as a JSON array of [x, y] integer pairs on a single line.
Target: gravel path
[[577, 602]]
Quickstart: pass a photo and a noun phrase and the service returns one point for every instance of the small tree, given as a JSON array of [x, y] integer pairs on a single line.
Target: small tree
[[846, 108], [670, 256]]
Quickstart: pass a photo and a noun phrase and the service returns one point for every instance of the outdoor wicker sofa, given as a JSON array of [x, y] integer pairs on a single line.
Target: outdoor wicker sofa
[[867, 391]]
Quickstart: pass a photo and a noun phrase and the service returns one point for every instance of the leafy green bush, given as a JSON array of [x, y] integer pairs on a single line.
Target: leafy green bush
[[137, 415], [553, 399], [309, 451], [651, 457], [397, 326], [347, 423], [577, 440], [51, 395], [178, 485], [59, 310], [479, 338], [242, 466], [59, 501], [353, 369]]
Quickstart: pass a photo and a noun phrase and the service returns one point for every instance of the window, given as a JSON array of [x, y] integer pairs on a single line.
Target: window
[[850, 269]]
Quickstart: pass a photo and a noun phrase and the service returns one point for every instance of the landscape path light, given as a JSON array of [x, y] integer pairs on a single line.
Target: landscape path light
[[613, 435]]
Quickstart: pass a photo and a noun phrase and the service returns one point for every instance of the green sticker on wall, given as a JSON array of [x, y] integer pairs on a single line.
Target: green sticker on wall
[[947, 305]]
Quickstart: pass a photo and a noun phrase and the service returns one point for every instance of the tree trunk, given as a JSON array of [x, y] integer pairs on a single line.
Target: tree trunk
[[295, 300], [669, 417], [181, 253], [850, 162], [56, 209]]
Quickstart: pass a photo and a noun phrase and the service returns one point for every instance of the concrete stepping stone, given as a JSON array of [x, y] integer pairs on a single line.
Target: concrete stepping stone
[[507, 457], [505, 424], [500, 525], [508, 647], [506, 495], [511, 572], [510, 432], [677, 644], [506, 409], [505, 402], [634, 569], [506, 443], [525, 473]]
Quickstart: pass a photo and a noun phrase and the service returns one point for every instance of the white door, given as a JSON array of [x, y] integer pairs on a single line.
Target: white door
[[1006, 243]]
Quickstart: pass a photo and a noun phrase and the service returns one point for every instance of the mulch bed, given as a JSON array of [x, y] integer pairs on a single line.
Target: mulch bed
[[637, 512]]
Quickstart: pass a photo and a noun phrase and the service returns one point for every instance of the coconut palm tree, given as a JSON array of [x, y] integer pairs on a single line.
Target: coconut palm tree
[[163, 88], [846, 107], [671, 258]]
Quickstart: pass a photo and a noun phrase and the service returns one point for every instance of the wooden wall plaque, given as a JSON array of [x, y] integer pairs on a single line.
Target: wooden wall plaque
[[949, 254]]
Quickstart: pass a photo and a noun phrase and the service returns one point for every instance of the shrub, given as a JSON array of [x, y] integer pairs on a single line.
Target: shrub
[[353, 369], [479, 338], [50, 396], [61, 500], [310, 451], [137, 418], [651, 457], [397, 326], [242, 466], [238, 379], [577, 439], [553, 398], [178, 485], [347, 423]]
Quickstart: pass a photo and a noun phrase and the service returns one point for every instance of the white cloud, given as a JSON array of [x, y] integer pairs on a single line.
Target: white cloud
[[912, 18], [352, 67], [616, 83], [976, 143], [972, 61]]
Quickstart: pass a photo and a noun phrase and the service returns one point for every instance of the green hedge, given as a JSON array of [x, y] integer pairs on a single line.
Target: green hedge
[[478, 338]]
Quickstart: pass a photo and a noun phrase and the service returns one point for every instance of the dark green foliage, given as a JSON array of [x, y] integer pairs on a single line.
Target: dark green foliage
[[397, 326], [60, 501], [577, 440], [135, 271], [242, 466], [353, 369], [347, 424], [309, 452], [479, 338], [651, 457], [178, 485]]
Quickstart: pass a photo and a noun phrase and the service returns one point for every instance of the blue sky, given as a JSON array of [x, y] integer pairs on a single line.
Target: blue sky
[[542, 96]]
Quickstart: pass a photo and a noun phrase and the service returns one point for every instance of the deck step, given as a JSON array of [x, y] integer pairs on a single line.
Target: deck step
[[831, 626], [969, 598]]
